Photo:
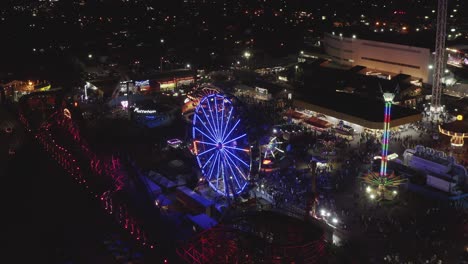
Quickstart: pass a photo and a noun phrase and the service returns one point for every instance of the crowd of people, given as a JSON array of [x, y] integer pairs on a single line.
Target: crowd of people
[[286, 187], [412, 222], [372, 221]]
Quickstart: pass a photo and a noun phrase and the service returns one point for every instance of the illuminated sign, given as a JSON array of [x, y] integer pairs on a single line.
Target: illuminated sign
[[167, 85], [124, 104], [261, 90], [174, 141], [142, 83], [140, 111]]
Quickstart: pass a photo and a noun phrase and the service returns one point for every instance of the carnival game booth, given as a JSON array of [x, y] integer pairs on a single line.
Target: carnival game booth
[[166, 81], [293, 116], [317, 123]]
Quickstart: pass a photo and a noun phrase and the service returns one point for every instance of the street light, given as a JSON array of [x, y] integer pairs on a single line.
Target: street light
[[162, 40], [188, 66], [90, 56], [247, 55]]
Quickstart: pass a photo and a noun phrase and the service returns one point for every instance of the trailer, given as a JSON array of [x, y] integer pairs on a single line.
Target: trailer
[[443, 184]]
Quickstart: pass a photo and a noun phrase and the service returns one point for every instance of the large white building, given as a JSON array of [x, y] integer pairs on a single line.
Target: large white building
[[381, 56]]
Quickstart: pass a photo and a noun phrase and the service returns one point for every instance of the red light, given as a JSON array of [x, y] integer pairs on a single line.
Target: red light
[[75, 104], [165, 261]]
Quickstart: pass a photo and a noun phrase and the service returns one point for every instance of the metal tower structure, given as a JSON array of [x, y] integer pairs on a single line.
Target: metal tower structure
[[388, 98], [439, 59]]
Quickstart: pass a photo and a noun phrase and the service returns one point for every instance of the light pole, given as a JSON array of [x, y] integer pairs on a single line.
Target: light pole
[[162, 58], [128, 98], [247, 56]]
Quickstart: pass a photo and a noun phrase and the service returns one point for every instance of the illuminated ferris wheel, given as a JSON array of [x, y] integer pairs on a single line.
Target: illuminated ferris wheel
[[272, 148], [221, 145]]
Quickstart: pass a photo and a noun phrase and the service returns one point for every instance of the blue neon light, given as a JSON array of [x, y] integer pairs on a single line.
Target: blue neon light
[[222, 148]]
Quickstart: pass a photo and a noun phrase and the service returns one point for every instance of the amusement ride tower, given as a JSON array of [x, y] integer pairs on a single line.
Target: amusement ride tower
[[388, 98], [439, 59], [383, 186]]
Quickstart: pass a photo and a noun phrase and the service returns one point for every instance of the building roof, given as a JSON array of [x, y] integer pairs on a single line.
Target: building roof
[[197, 197], [166, 75], [203, 221], [358, 110], [422, 39]]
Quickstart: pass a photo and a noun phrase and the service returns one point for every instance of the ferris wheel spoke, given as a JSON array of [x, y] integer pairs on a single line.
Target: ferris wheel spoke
[[217, 115], [234, 139], [210, 171], [207, 143], [232, 155], [234, 148], [209, 123], [200, 164], [223, 132], [215, 130], [222, 118], [206, 151], [218, 172], [280, 150], [207, 129], [203, 133], [233, 175], [232, 129], [239, 170], [207, 162], [231, 181]]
